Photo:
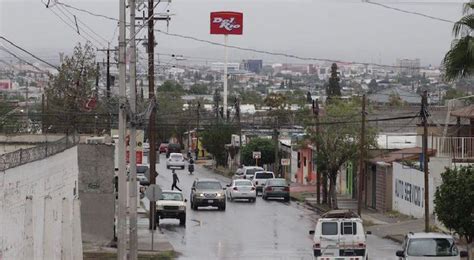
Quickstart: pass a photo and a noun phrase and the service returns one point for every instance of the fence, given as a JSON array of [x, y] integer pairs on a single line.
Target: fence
[[23, 156], [460, 148]]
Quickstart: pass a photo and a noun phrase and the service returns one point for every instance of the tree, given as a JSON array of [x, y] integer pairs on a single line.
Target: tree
[[339, 142], [373, 86], [275, 101], [71, 94], [452, 93], [251, 97], [454, 201], [395, 100], [215, 138], [263, 145], [459, 61], [333, 89], [198, 89], [170, 86]]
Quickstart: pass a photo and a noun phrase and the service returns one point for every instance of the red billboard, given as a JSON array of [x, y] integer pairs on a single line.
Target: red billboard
[[227, 23], [5, 84]]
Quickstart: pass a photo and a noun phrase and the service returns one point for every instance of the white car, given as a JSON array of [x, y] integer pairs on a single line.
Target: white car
[[241, 189], [429, 246], [339, 234], [176, 160], [171, 204], [260, 178], [246, 172]]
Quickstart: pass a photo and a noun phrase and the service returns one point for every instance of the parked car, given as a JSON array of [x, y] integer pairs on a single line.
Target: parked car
[[146, 147], [207, 192], [241, 189], [246, 172], [176, 160], [260, 178], [276, 188], [163, 148], [340, 233], [171, 205], [429, 246], [172, 148]]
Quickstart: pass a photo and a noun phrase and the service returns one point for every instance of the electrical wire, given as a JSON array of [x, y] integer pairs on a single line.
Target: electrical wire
[[31, 54], [409, 12], [21, 59]]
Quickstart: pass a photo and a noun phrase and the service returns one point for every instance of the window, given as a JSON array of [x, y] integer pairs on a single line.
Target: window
[[348, 228], [432, 247], [243, 183], [329, 228], [304, 161], [209, 185], [264, 175], [171, 196]]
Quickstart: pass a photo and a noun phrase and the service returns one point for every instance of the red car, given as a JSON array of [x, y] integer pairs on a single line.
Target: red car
[[163, 148]]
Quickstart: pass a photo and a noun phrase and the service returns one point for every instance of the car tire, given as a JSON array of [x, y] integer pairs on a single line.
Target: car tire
[[254, 199], [287, 199], [182, 168], [264, 197], [167, 167], [157, 220], [222, 207], [182, 220]]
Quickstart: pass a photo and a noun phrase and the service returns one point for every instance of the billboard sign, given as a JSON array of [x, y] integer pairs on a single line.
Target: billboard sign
[[227, 23], [5, 84]]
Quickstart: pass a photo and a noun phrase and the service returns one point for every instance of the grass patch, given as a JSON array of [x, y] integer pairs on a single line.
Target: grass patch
[[301, 196], [167, 255], [367, 223]]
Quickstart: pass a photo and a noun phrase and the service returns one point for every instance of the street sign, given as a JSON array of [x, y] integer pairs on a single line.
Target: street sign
[[257, 155], [153, 192], [285, 162]]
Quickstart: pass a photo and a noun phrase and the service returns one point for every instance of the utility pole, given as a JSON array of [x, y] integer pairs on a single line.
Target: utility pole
[[424, 121], [277, 160], [318, 174], [107, 94], [197, 131], [122, 188], [133, 254], [151, 96], [361, 160], [237, 110]]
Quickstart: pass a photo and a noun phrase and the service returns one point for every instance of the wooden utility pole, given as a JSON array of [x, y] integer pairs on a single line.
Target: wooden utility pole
[[197, 131], [318, 174], [151, 95], [107, 93], [424, 121], [361, 160], [237, 111], [277, 144]]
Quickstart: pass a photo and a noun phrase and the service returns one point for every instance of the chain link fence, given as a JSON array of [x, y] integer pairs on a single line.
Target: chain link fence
[[23, 156]]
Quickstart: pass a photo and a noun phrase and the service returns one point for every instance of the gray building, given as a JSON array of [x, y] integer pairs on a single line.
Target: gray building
[[408, 67]]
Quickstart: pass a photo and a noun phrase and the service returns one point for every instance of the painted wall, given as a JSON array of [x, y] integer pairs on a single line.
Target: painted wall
[[37, 197], [408, 191]]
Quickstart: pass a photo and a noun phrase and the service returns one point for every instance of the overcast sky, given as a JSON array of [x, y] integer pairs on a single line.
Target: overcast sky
[[347, 30]]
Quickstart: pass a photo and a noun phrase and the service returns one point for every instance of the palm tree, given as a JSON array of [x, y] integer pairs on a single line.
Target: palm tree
[[459, 60]]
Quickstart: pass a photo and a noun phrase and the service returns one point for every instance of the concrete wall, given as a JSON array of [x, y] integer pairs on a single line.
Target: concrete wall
[[96, 191], [32, 139], [408, 191], [38, 197]]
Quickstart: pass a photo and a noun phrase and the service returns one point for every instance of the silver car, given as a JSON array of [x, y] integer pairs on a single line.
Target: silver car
[[176, 160], [241, 189], [276, 188]]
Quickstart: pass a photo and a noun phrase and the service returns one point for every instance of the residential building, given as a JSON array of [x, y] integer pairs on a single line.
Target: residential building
[[408, 67], [254, 66]]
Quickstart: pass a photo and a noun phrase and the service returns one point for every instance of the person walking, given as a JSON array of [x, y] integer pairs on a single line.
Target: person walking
[[175, 181]]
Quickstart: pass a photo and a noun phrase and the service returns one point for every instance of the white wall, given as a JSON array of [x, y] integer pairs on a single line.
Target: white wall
[[408, 191], [54, 177]]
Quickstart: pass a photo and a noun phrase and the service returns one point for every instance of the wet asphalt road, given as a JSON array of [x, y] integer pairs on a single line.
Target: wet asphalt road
[[261, 230]]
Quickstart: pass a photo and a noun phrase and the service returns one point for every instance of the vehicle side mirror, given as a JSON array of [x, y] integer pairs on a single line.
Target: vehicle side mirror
[[463, 254], [145, 183], [311, 232], [228, 185], [400, 253], [185, 200], [193, 189], [224, 188], [369, 232]]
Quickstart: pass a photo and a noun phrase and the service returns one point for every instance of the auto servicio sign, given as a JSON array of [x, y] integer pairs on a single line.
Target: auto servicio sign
[[227, 23]]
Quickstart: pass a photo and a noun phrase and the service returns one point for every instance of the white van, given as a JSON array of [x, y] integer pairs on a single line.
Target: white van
[[339, 234]]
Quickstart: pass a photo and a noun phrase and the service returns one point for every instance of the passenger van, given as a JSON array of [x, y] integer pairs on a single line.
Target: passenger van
[[339, 234]]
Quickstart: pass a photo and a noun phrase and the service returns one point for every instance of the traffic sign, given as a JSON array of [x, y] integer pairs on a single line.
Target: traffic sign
[[257, 155], [153, 192]]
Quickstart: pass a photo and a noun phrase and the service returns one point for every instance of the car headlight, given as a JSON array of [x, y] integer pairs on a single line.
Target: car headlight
[[182, 207], [220, 195], [201, 194], [159, 207]]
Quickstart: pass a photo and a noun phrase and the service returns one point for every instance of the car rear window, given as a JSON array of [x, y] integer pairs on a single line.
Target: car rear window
[[263, 175], [177, 156], [432, 247], [329, 228], [348, 228], [142, 169], [252, 171], [243, 183], [209, 185], [277, 183]]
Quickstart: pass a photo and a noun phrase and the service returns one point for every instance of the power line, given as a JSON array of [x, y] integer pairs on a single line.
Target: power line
[[409, 12], [31, 54], [16, 56]]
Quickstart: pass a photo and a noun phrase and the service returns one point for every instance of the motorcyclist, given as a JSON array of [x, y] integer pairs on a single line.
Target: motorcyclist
[[191, 166]]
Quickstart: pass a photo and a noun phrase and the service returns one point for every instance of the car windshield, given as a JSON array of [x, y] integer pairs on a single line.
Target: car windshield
[[243, 183], [142, 169], [263, 175], [252, 171], [277, 183], [171, 196], [432, 247], [209, 185]]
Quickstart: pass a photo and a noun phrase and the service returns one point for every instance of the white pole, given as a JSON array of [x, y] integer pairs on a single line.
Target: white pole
[[28, 251], [48, 245], [66, 230], [133, 254], [225, 74], [122, 187]]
